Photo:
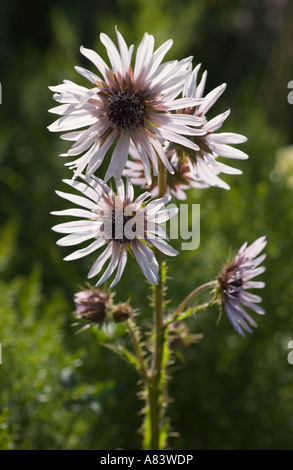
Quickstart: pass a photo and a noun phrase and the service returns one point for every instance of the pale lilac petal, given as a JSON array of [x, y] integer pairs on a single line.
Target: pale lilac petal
[[190, 85], [129, 190], [163, 246], [179, 139], [149, 272], [227, 137], [112, 265], [120, 189], [75, 238], [96, 60], [234, 319], [86, 251], [143, 57], [254, 273], [113, 54], [98, 156], [143, 156], [217, 122], [124, 52], [211, 98], [65, 123], [92, 77], [121, 266], [119, 158], [79, 200], [158, 56], [184, 103], [254, 285], [249, 297], [228, 152], [76, 226], [74, 213], [256, 247], [99, 263], [85, 189]]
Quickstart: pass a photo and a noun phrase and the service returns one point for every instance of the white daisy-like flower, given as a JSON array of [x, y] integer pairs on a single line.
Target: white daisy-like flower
[[176, 184], [204, 162], [126, 106], [233, 281], [120, 223]]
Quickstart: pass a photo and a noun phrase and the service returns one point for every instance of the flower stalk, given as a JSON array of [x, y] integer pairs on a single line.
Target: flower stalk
[[154, 390], [137, 348], [190, 297]]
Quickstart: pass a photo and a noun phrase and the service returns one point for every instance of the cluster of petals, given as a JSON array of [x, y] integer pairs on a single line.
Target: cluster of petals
[[119, 222], [140, 112], [196, 168], [234, 281]]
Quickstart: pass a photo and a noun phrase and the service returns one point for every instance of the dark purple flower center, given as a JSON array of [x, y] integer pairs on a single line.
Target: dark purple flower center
[[231, 281], [121, 227], [126, 110]]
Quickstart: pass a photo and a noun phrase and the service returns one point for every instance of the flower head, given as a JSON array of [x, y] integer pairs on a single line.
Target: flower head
[[120, 223], [233, 281], [177, 183], [126, 106], [203, 162]]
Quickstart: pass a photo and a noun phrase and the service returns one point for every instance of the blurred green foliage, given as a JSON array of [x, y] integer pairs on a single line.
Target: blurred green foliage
[[64, 391]]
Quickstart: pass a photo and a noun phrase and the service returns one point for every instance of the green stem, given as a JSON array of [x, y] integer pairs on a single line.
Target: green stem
[[190, 297], [154, 392], [137, 348]]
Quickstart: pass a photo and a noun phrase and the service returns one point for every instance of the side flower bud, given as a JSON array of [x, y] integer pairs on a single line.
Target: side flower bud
[[91, 305], [122, 312]]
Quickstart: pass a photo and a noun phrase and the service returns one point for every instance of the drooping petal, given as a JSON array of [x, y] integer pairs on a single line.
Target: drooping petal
[[86, 251], [99, 263]]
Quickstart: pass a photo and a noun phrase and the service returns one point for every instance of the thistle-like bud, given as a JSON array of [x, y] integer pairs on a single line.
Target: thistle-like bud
[[91, 305], [122, 312]]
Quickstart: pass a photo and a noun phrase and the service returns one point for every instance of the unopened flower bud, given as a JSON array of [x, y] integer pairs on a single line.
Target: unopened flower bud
[[122, 312], [91, 305]]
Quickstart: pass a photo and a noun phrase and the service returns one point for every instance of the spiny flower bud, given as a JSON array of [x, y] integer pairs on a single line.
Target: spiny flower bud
[[122, 312], [91, 305]]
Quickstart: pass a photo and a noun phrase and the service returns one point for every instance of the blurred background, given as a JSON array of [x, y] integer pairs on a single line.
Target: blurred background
[[60, 390]]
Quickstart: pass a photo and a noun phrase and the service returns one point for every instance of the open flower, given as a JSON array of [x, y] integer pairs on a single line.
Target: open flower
[[126, 105], [233, 281], [204, 162], [120, 223]]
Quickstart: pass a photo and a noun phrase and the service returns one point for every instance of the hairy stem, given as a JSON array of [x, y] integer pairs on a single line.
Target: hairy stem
[[137, 347], [190, 297], [154, 391]]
